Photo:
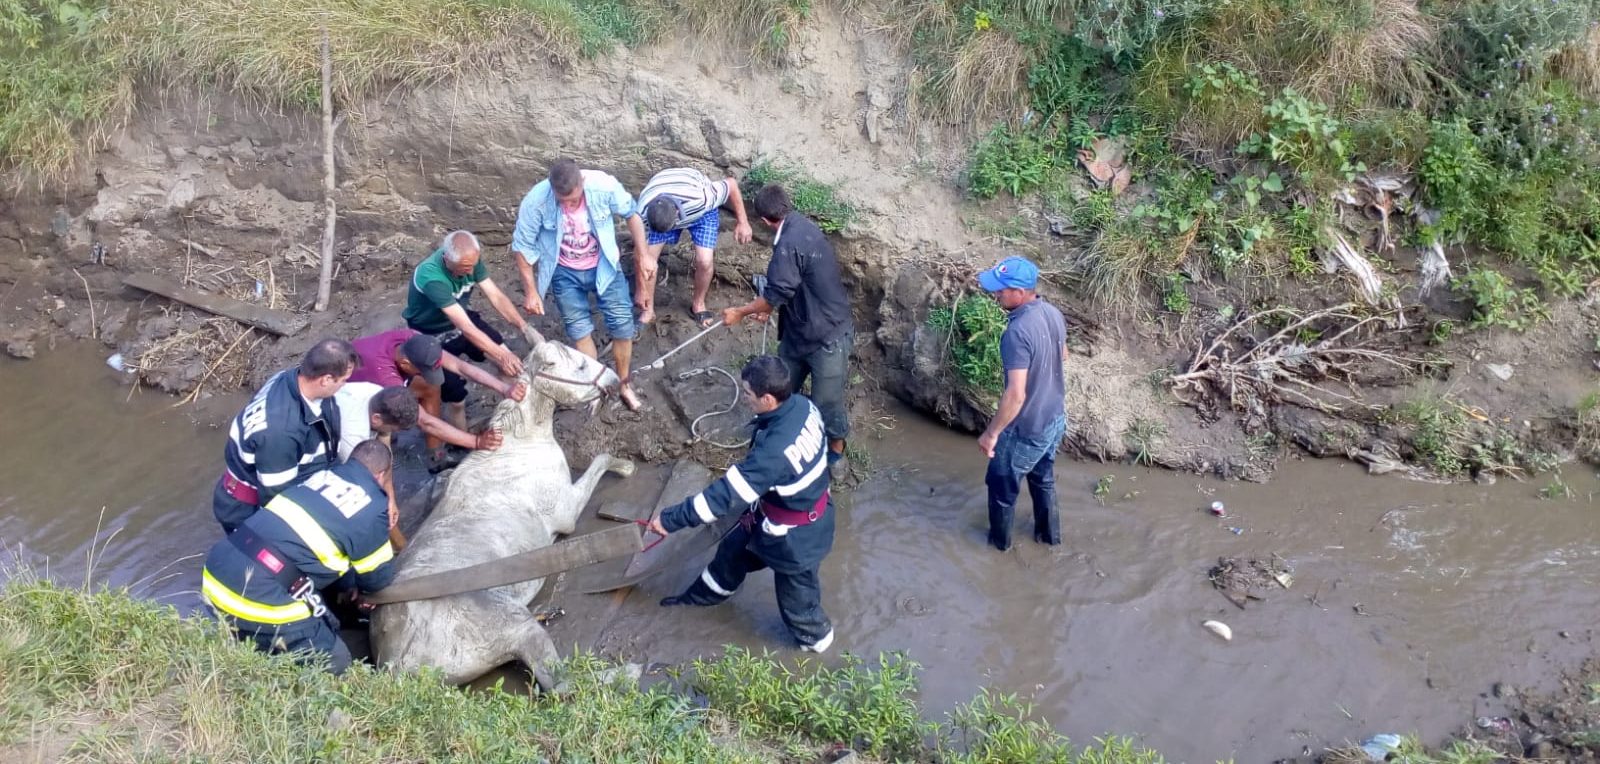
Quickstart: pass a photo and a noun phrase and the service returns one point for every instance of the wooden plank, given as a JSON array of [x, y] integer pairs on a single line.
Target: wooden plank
[[686, 480], [279, 322], [588, 549]]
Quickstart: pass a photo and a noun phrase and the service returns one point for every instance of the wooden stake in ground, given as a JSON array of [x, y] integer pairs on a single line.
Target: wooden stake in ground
[[325, 283]]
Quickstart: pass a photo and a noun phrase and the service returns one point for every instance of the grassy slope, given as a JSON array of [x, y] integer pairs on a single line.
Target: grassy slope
[[103, 677]]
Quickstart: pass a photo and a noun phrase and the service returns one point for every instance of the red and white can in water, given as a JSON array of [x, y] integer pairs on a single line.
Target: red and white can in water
[[1218, 510]]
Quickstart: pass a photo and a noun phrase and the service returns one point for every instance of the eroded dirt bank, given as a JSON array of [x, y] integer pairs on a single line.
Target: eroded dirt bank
[[226, 196]]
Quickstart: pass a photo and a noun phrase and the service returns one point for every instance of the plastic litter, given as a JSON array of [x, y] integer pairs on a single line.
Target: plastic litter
[[1218, 510], [115, 362], [1236, 531], [1496, 724], [1220, 629], [1378, 747]]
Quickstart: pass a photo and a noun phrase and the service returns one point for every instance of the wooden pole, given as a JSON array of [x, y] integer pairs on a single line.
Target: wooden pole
[[325, 283]]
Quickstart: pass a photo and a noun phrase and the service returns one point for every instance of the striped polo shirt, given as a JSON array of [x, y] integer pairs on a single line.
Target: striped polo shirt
[[696, 193]]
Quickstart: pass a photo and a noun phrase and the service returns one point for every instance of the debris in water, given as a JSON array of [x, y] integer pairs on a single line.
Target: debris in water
[[1496, 724], [1218, 510], [1235, 530], [1378, 747], [1220, 629], [1241, 580], [115, 362]]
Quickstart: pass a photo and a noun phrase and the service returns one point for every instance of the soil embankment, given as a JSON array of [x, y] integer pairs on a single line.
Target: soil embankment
[[211, 191]]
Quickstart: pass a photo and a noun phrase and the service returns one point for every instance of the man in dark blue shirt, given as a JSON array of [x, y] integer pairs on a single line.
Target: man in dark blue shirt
[[1022, 438], [781, 490]]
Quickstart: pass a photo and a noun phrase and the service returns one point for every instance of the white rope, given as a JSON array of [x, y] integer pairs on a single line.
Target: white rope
[[694, 427]]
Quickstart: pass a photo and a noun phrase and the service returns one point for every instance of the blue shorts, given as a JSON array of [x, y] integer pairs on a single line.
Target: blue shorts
[[572, 289], [702, 231]]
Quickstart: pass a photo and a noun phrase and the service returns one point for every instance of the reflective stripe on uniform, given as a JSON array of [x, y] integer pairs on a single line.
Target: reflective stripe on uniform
[[232, 603], [371, 562], [740, 485], [312, 534], [711, 583], [804, 482], [702, 509]]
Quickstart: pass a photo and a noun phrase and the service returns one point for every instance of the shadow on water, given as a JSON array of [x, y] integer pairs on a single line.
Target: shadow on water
[[1408, 600]]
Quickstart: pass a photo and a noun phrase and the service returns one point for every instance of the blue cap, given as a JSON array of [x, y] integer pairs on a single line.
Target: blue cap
[[1011, 273]]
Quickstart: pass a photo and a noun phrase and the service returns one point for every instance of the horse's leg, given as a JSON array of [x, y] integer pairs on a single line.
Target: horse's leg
[[534, 647], [584, 488]]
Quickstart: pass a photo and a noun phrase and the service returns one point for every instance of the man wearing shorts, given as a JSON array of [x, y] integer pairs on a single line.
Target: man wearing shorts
[[566, 228], [683, 200]]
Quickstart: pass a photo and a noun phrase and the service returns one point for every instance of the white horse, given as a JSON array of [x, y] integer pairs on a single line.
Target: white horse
[[498, 503]]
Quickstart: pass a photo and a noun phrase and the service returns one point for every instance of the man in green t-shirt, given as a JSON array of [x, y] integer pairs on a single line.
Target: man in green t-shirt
[[436, 304]]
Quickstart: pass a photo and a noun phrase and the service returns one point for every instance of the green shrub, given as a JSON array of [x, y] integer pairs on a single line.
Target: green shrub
[[1175, 293], [974, 325], [1457, 182], [822, 202], [1014, 160], [1497, 301], [1303, 134]]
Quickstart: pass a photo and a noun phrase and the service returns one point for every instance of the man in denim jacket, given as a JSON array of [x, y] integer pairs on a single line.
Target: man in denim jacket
[[565, 227], [1027, 427]]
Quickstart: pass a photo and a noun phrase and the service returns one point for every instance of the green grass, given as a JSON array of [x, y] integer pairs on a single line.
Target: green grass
[[821, 201], [973, 325], [103, 677]]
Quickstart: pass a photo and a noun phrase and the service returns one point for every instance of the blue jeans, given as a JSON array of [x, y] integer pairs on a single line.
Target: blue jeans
[[572, 289], [828, 367], [1015, 457]]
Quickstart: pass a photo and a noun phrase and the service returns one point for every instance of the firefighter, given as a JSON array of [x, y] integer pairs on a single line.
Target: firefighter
[[781, 488], [289, 430], [332, 529]]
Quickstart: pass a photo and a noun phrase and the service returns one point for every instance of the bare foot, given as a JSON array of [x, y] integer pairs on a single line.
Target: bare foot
[[647, 316], [629, 397]]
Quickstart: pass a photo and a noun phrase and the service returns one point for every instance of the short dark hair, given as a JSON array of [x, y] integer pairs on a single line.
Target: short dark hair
[[767, 375], [565, 176], [661, 214], [372, 454], [772, 202], [329, 357], [396, 406]]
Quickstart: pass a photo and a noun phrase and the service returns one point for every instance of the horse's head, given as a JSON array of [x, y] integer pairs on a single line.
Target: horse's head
[[566, 376]]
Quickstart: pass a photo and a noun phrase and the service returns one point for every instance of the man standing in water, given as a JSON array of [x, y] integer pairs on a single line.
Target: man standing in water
[[1026, 430], [815, 329], [791, 528]]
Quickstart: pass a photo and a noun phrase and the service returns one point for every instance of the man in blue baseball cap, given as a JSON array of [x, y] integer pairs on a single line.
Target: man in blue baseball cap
[[1022, 438]]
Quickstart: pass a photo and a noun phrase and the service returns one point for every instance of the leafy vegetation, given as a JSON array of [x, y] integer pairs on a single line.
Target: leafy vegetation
[[819, 200], [974, 325], [103, 677]]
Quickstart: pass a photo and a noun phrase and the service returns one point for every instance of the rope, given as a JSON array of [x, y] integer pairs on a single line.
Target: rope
[[694, 427]]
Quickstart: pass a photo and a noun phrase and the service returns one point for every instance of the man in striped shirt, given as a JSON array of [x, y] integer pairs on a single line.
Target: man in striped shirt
[[683, 200]]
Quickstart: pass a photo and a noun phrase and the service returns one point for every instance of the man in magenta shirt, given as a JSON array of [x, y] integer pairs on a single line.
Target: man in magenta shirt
[[413, 359]]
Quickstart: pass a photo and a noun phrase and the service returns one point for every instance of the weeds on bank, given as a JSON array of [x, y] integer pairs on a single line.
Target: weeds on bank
[[1447, 440], [973, 325], [821, 201], [104, 677]]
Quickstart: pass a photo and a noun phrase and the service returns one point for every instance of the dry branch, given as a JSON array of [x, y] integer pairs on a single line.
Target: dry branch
[[1322, 373]]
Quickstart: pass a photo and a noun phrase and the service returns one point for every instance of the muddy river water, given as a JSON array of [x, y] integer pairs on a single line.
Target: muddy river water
[[1407, 602]]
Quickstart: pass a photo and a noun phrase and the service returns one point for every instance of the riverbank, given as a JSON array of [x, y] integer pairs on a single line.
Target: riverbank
[[1231, 304], [103, 677]]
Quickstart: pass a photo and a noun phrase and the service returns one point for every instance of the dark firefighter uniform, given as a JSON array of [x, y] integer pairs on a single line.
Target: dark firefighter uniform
[[781, 486], [275, 442], [264, 578]]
